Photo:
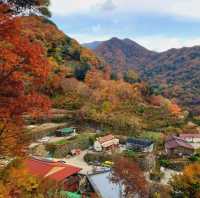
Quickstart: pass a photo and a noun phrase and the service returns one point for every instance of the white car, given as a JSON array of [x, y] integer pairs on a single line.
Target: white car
[[44, 140]]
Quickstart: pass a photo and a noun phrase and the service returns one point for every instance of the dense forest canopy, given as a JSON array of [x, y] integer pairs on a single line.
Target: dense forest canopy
[[173, 73]]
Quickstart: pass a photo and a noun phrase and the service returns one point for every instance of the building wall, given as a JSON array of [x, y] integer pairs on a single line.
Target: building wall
[[97, 146], [182, 151], [195, 140], [71, 183], [149, 148]]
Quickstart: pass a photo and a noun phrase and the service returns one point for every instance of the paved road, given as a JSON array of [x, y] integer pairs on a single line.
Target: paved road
[[168, 173], [79, 162]]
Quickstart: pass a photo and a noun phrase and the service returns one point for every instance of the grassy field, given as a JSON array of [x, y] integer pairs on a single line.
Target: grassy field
[[79, 138], [155, 136]]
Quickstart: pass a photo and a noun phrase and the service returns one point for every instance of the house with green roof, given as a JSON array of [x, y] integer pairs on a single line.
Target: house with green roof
[[64, 132]]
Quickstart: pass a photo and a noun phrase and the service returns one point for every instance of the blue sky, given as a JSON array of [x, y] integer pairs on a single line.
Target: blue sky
[[156, 24]]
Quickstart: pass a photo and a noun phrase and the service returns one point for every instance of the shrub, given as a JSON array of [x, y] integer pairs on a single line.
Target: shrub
[[129, 153], [164, 163], [101, 157], [194, 158], [156, 175]]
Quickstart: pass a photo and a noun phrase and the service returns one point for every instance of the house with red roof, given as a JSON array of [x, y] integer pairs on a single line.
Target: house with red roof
[[65, 176], [107, 142], [177, 146]]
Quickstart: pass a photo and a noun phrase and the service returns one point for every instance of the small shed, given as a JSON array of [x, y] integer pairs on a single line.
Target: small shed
[[140, 144], [71, 131]]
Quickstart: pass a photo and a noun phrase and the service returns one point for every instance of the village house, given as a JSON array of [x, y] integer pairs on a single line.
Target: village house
[[105, 143], [65, 132], [177, 146], [140, 145], [65, 176], [193, 139]]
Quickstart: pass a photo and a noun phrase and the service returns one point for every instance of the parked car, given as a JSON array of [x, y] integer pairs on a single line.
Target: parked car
[[107, 164], [94, 163], [44, 140]]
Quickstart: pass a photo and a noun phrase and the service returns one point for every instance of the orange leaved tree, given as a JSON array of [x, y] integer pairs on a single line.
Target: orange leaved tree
[[23, 70], [128, 173], [187, 184]]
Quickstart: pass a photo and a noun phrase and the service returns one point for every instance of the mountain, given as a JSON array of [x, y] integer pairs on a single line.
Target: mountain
[[123, 54], [174, 73], [79, 84]]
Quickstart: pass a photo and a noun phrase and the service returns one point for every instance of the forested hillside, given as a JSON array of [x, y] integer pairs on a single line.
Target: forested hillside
[[93, 96], [45, 72], [174, 74]]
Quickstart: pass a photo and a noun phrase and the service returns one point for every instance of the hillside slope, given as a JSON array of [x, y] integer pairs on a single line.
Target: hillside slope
[[80, 83], [174, 73], [61, 49], [124, 54]]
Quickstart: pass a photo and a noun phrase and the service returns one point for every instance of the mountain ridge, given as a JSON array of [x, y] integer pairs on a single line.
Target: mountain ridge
[[174, 73]]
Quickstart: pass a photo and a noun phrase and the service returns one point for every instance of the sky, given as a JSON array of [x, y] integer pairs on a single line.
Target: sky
[[156, 24]]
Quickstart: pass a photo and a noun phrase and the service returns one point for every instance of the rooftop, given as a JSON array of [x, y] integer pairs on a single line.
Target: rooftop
[[174, 141], [141, 142], [105, 138], [189, 135], [103, 186], [53, 170], [66, 130]]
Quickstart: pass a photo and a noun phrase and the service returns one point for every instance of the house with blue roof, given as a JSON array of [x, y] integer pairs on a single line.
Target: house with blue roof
[[142, 145]]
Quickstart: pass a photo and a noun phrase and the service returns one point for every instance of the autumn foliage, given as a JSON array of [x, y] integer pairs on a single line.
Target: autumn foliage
[[23, 69], [128, 173], [16, 182], [188, 183]]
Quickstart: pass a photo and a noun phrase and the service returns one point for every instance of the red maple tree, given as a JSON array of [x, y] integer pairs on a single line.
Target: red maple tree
[[128, 173], [24, 68]]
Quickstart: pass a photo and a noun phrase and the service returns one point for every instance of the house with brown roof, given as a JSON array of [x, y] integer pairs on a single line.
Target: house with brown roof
[[64, 175], [192, 138], [105, 143], [177, 146]]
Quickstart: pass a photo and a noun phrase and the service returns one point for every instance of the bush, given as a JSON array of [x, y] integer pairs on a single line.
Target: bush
[[91, 157], [178, 166], [194, 158], [156, 175], [129, 153], [122, 140], [159, 191], [164, 162]]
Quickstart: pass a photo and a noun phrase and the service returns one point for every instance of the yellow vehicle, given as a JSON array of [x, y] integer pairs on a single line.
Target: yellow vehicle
[[107, 164]]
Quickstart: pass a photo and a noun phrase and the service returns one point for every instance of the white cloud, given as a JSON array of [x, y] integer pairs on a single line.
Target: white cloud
[[162, 43], [86, 38], [176, 8], [67, 7], [108, 5], [155, 43]]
